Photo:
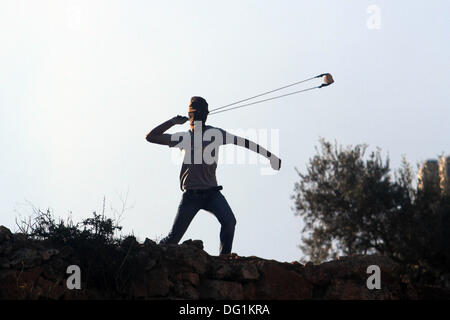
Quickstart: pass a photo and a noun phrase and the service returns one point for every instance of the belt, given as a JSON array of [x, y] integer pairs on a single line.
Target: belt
[[203, 191]]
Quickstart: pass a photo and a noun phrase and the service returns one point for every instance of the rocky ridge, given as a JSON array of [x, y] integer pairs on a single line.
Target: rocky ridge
[[36, 270]]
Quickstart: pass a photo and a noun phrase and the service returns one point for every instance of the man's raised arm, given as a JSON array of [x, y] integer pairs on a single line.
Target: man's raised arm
[[158, 136]]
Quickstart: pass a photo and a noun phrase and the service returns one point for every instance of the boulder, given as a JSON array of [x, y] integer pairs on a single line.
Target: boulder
[[25, 258], [280, 283], [196, 243], [5, 234], [47, 254], [248, 272], [189, 277], [221, 290]]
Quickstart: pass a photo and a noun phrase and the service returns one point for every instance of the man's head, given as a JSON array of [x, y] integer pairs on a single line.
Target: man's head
[[198, 110]]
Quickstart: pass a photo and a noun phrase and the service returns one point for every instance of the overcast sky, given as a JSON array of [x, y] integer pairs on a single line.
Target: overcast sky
[[82, 83]]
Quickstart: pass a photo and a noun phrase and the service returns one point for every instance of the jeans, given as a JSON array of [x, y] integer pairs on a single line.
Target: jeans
[[212, 201]]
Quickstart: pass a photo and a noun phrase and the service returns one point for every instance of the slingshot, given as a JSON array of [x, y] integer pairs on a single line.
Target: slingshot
[[327, 80]]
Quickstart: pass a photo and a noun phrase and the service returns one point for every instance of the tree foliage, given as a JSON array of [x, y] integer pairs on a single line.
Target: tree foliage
[[352, 203]]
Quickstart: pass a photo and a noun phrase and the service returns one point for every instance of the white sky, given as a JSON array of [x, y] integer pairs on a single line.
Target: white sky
[[82, 82]]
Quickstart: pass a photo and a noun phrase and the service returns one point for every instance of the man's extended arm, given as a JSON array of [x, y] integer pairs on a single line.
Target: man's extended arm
[[275, 162], [158, 136]]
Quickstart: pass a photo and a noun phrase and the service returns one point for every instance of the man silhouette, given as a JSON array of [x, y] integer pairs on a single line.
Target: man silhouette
[[200, 146]]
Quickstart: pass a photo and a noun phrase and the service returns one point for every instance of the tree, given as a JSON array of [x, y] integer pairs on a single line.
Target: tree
[[351, 203]]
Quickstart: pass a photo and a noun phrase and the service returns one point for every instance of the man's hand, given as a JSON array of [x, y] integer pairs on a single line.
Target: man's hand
[[275, 162], [158, 136], [179, 119]]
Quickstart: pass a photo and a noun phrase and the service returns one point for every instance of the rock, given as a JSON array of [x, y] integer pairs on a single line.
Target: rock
[[186, 291], [25, 258], [354, 267], [7, 273], [8, 285], [189, 292], [6, 249], [282, 284], [196, 243], [31, 269], [221, 290], [149, 243], [26, 280], [190, 256], [357, 290], [129, 241], [5, 234], [48, 289], [47, 254], [20, 237], [150, 264], [189, 277], [138, 289], [222, 271], [66, 252], [248, 272], [4, 263], [158, 284]]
